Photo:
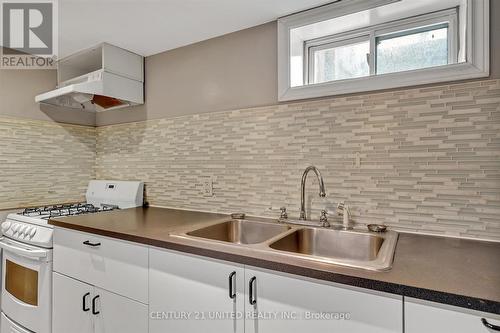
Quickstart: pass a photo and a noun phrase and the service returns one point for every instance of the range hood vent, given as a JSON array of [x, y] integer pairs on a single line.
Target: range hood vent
[[99, 79]]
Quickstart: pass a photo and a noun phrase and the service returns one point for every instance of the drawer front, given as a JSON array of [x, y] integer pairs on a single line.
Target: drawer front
[[111, 264], [422, 316]]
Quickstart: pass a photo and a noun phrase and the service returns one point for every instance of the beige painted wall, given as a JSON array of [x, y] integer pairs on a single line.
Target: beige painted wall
[[233, 71], [238, 70], [18, 89]]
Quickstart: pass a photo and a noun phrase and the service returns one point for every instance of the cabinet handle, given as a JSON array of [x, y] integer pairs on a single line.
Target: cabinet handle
[[94, 312], [490, 326], [251, 285], [84, 302], [88, 243], [232, 282]]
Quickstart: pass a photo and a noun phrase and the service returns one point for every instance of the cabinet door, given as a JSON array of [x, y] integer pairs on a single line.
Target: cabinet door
[[115, 265], [71, 305], [189, 294], [285, 304], [115, 313], [429, 317]]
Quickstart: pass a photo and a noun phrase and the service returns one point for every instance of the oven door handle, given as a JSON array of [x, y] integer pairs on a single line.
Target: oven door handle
[[31, 254]]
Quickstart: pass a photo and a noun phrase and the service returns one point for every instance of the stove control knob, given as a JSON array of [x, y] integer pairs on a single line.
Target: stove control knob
[[32, 232], [27, 231], [22, 230], [6, 226], [15, 228]]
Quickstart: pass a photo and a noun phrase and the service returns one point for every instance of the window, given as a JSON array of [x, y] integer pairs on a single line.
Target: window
[[338, 61], [399, 46], [409, 50], [361, 45]]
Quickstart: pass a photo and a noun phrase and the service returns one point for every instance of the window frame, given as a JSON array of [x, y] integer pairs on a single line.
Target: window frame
[[449, 16], [309, 67], [476, 49]]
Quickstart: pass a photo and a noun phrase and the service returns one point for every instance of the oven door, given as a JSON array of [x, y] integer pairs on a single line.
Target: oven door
[[27, 285]]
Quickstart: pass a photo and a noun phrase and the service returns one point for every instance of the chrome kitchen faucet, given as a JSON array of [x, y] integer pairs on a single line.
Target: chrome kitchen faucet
[[322, 192]]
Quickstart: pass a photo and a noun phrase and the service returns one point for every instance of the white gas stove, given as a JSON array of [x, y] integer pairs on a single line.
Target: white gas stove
[[27, 253], [31, 225]]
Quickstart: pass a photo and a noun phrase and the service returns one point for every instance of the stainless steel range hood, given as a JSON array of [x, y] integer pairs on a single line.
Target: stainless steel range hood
[[99, 79]]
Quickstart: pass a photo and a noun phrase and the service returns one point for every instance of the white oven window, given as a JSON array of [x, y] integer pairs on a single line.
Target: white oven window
[[21, 282]]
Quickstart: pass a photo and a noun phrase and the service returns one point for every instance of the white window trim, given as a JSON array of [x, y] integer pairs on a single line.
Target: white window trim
[[476, 66]]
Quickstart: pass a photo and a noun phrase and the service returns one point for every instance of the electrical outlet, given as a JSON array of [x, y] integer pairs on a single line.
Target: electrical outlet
[[208, 188]]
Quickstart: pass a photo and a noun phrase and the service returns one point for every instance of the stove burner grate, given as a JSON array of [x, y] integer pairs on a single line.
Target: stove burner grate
[[47, 212]]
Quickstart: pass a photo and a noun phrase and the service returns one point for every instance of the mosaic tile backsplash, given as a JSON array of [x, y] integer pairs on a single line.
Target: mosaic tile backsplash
[[44, 163], [425, 160]]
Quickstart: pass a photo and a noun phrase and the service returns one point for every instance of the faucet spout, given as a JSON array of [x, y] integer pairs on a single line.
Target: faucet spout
[[322, 192]]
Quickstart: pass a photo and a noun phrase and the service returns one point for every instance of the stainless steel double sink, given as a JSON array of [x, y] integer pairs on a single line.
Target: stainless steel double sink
[[352, 248]]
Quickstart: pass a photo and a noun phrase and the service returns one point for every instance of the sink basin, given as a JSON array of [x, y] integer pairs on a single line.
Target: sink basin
[[240, 231], [356, 249], [296, 244], [330, 243]]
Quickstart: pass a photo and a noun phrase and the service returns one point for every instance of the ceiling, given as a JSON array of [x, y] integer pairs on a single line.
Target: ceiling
[[152, 26]]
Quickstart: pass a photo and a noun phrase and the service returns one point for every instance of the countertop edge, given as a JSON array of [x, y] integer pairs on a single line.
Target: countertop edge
[[461, 301]]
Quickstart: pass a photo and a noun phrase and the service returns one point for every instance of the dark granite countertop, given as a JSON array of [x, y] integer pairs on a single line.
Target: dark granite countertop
[[464, 273]]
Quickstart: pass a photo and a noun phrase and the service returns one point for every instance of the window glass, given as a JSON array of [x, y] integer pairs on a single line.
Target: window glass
[[341, 62], [21, 282], [416, 49]]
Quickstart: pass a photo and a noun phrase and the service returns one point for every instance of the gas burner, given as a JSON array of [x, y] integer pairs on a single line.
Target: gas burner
[[47, 212]]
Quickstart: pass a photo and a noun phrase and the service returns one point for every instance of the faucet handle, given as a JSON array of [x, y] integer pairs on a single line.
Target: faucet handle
[[323, 219], [343, 208], [284, 214], [340, 208], [344, 211], [347, 210]]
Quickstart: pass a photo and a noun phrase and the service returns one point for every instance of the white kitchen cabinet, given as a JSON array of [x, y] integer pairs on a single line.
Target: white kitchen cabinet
[[82, 308], [186, 290], [119, 314], [189, 294], [111, 264], [285, 304], [70, 298], [429, 317]]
